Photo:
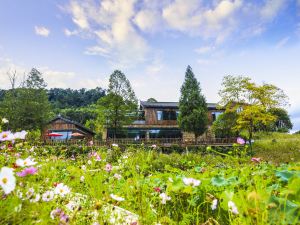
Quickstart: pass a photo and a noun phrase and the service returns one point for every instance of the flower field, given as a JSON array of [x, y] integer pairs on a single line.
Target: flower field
[[141, 185]]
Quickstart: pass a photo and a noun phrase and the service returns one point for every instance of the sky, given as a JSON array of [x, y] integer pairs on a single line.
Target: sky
[[78, 44]]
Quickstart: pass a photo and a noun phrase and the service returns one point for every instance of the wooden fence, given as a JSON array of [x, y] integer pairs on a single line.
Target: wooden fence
[[164, 142]]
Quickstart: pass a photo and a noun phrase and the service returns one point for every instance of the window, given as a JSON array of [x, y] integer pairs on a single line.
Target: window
[[215, 115], [166, 115], [159, 115]]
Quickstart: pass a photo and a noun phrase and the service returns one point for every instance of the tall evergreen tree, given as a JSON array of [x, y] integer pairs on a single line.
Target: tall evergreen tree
[[27, 107], [193, 112], [120, 104]]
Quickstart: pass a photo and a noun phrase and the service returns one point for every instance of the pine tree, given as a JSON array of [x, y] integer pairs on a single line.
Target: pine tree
[[193, 112]]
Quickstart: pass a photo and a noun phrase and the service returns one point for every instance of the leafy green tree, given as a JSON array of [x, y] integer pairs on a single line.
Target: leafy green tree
[[222, 127], [27, 107], [193, 112], [252, 102], [119, 106], [151, 100], [282, 123]]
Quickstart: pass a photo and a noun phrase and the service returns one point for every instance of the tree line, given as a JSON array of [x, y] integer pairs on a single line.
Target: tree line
[[248, 107]]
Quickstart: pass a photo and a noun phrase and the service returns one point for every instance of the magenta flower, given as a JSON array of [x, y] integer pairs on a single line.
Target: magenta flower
[[108, 167], [257, 160], [240, 141], [31, 170]]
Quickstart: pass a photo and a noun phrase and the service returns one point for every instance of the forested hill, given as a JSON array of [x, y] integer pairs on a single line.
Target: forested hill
[[77, 105], [69, 98]]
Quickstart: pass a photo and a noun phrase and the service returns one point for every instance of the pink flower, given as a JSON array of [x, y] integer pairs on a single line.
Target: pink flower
[[108, 167], [240, 141], [27, 171], [157, 189], [257, 160]]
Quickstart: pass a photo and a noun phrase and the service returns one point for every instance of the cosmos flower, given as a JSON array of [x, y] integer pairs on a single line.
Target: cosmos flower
[[7, 180], [191, 182], [48, 196], [232, 208], [117, 198], [108, 167], [214, 204], [164, 198], [31, 170], [115, 145], [4, 120], [240, 141], [117, 176], [82, 179], [26, 162], [20, 135], [157, 189], [62, 189], [6, 136], [257, 160]]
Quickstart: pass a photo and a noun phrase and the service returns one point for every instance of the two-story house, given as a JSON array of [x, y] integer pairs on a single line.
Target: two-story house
[[159, 120]]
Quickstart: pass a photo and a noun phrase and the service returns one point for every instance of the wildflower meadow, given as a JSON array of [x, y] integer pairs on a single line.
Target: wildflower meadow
[[142, 185]]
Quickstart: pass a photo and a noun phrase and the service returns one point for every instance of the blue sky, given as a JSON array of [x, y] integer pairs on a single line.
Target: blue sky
[[79, 43]]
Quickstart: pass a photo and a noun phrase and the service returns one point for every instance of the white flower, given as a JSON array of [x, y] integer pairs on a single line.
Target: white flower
[[6, 136], [83, 167], [232, 208], [191, 181], [36, 199], [30, 193], [62, 189], [25, 162], [164, 198], [48, 196], [19, 194], [153, 146], [82, 179], [4, 120], [20, 135], [214, 204], [115, 145], [117, 176], [7, 180], [117, 198], [71, 206], [89, 162]]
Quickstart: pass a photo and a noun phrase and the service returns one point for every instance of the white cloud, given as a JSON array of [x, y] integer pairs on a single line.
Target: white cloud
[[55, 78], [42, 31], [271, 8], [205, 49], [183, 15], [69, 33], [222, 11], [79, 15], [148, 20], [282, 42], [110, 24]]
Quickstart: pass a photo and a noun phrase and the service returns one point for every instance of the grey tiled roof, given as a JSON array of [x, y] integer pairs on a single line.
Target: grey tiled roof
[[174, 105]]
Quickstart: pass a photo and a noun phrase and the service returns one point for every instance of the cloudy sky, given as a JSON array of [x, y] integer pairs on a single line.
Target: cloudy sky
[[79, 43]]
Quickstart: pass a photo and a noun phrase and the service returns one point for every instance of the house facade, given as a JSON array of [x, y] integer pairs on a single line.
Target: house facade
[[159, 120], [66, 129]]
